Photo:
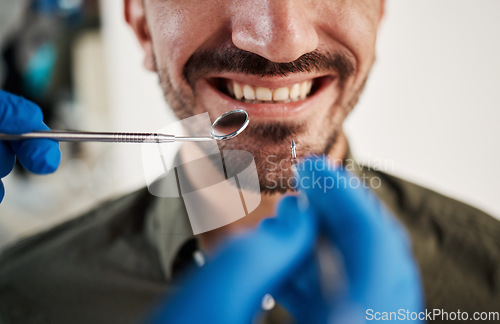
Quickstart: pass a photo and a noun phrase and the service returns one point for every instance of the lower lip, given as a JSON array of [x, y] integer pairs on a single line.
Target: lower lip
[[265, 110]]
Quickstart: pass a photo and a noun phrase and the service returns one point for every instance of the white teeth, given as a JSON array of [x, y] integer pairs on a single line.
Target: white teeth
[[247, 92], [305, 88], [281, 94], [238, 91], [295, 91], [264, 94]]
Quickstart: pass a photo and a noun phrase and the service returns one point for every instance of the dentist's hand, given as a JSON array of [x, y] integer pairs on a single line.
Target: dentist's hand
[[18, 115], [230, 287], [379, 272], [373, 253]]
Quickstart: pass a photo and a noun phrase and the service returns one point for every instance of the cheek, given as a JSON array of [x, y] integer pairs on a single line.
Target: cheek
[[179, 28], [353, 24]]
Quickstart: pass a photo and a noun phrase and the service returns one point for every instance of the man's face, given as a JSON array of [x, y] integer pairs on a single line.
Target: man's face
[[296, 66]]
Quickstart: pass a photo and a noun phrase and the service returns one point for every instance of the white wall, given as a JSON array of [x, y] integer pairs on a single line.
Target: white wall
[[432, 104], [136, 100], [430, 107]]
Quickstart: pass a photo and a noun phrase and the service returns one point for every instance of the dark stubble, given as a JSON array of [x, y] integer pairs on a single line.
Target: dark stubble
[[267, 142]]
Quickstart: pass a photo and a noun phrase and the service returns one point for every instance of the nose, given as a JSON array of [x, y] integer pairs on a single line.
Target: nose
[[278, 30]]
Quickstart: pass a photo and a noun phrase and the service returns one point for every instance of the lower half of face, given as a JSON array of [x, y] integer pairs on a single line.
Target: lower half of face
[[307, 107]]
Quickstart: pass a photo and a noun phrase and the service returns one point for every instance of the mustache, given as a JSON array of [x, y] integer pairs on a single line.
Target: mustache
[[232, 59]]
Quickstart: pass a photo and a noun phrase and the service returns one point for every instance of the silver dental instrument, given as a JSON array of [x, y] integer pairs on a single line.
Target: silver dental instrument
[[224, 127], [294, 152]]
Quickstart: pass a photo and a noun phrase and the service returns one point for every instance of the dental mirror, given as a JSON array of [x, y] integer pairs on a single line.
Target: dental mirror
[[229, 125], [223, 128]]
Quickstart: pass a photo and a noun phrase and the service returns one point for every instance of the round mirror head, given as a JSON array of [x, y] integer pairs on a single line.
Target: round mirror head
[[229, 125]]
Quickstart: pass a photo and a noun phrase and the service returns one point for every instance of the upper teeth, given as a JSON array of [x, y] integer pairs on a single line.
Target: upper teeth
[[248, 92]]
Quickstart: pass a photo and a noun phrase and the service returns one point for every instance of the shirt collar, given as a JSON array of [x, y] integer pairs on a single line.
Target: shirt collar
[[168, 228]]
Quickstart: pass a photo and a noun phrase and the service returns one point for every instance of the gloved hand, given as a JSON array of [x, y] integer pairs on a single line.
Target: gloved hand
[[18, 115], [229, 288], [378, 271], [279, 258]]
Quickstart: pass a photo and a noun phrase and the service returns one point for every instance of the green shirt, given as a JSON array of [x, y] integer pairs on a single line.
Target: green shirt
[[113, 264]]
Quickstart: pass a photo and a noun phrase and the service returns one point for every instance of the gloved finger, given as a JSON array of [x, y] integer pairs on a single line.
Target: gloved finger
[[354, 219], [18, 115], [7, 159], [39, 156], [229, 288]]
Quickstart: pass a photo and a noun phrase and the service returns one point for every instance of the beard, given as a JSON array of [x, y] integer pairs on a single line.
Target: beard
[[268, 142]]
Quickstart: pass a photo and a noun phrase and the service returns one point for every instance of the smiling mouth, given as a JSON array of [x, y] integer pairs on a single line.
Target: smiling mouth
[[259, 94]]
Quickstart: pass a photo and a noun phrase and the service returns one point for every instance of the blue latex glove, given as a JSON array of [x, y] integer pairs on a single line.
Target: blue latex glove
[[229, 289], [374, 253], [18, 115], [279, 258]]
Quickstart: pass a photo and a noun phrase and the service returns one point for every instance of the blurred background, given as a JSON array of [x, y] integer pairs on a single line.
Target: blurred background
[[429, 113]]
